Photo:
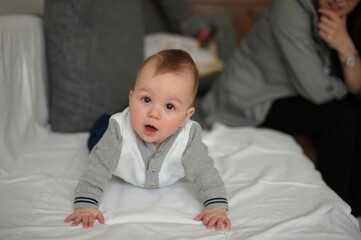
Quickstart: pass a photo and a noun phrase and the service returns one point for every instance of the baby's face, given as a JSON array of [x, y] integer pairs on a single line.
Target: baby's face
[[160, 104], [340, 7]]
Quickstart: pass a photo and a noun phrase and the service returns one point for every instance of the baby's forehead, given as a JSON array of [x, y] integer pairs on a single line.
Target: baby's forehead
[[151, 70]]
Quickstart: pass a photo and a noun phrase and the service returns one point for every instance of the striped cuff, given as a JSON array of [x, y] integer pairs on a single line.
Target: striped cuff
[[215, 201], [85, 200]]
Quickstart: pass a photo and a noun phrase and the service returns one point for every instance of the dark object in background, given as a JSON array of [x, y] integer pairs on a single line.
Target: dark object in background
[[94, 49], [97, 130]]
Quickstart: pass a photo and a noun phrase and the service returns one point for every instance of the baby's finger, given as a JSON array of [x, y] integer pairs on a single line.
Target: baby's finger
[[212, 222], [69, 218], [100, 218], [220, 223], [206, 219], [227, 224], [200, 217], [85, 220], [91, 221], [76, 221]]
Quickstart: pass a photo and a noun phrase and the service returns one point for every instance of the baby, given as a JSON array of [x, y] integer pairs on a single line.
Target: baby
[[153, 143]]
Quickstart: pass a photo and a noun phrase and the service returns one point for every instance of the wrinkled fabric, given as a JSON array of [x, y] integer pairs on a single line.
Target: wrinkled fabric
[[274, 191], [22, 85]]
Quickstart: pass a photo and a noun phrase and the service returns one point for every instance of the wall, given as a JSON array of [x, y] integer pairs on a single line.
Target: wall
[[244, 13], [21, 6]]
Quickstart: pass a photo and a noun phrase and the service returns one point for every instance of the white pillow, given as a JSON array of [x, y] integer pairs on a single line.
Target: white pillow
[[23, 107]]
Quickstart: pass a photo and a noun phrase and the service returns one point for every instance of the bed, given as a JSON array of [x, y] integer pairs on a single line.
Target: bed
[[274, 190]]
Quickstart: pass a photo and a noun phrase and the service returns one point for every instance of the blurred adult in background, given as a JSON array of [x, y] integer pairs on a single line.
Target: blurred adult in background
[[299, 72]]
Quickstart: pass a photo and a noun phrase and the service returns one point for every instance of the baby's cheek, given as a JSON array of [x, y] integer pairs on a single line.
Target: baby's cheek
[[135, 118], [172, 126]]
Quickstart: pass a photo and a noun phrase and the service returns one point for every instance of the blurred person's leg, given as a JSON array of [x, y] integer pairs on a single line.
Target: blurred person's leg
[[330, 127], [355, 186]]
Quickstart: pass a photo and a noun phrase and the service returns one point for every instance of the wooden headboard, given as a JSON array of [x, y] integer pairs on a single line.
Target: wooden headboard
[[244, 13]]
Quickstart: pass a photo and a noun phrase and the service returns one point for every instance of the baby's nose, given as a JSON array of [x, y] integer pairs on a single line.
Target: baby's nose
[[154, 112]]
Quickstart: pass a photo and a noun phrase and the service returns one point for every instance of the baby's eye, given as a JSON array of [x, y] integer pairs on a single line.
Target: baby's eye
[[146, 99], [169, 106]]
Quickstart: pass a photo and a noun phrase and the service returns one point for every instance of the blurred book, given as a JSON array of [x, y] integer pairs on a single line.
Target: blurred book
[[206, 59]]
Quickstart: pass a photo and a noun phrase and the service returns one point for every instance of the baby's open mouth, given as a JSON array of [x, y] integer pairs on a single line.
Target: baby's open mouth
[[150, 129]]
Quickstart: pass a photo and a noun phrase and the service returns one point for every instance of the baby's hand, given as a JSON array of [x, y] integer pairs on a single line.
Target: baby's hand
[[85, 215], [214, 217]]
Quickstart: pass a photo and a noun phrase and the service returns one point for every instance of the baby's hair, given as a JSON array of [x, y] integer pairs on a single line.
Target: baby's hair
[[173, 60]]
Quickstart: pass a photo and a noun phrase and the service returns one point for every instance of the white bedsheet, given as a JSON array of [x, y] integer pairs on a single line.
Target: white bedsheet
[[274, 193], [274, 190]]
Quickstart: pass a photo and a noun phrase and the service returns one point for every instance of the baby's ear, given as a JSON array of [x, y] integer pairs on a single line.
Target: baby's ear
[[130, 95], [190, 112]]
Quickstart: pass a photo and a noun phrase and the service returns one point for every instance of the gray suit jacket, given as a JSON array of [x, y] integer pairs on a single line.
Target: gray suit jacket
[[282, 56]]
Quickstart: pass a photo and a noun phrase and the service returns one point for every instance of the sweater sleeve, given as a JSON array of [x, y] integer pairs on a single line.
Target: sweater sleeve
[[199, 168], [103, 160]]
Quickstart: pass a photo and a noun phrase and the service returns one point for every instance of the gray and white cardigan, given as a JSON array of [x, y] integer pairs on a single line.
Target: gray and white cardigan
[[122, 153]]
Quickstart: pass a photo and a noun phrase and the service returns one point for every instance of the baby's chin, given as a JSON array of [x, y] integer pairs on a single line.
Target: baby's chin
[[149, 140]]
